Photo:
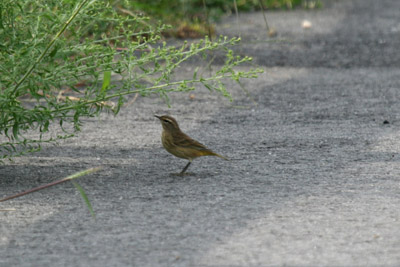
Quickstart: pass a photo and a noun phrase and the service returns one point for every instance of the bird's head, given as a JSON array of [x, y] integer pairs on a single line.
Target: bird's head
[[168, 123]]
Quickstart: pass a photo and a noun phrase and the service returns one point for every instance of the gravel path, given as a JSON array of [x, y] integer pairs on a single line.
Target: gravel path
[[313, 178]]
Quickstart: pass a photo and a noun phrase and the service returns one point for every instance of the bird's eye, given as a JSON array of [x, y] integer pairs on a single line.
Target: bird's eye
[[166, 121]]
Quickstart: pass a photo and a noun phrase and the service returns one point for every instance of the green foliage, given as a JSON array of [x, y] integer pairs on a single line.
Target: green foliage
[[58, 59], [193, 10], [84, 197]]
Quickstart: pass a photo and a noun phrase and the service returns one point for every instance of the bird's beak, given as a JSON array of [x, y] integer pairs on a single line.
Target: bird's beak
[[158, 117]]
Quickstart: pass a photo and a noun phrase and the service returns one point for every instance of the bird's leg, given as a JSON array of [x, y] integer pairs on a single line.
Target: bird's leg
[[184, 169]]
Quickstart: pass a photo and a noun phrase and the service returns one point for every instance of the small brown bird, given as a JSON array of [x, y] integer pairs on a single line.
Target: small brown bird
[[179, 144]]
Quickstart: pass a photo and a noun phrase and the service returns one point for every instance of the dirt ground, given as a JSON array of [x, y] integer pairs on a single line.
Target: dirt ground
[[313, 178]]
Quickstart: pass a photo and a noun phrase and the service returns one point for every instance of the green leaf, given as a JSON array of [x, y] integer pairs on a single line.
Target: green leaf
[[85, 198], [195, 73], [209, 87], [45, 126], [15, 130], [53, 52], [106, 81]]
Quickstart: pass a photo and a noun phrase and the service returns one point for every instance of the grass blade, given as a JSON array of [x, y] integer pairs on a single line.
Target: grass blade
[[85, 198], [71, 177]]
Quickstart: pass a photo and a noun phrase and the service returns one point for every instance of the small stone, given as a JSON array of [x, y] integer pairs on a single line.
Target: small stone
[[306, 24], [272, 32]]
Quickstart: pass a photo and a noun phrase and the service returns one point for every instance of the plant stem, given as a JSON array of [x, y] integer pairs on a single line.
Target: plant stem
[[71, 177]]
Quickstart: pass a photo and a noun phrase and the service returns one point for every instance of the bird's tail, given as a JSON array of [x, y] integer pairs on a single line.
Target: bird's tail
[[218, 155], [209, 152]]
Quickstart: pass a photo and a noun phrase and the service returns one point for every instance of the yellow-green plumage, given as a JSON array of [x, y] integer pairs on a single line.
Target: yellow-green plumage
[[181, 145]]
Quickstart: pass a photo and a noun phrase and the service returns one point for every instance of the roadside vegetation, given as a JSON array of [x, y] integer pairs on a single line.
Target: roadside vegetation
[[62, 61], [195, 18]]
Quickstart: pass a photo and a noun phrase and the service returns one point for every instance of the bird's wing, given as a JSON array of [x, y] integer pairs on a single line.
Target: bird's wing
[[185, 141]]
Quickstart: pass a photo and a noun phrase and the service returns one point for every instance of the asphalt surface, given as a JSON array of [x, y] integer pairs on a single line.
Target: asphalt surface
[[313, 178]]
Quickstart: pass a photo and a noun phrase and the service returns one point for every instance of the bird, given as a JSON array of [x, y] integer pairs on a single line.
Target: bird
[[180, 144]]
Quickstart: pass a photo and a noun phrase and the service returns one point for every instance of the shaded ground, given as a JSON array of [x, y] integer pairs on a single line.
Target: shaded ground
[[314, 175]]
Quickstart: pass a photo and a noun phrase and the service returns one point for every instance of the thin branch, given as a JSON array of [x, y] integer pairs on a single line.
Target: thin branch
[[270, 31]]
